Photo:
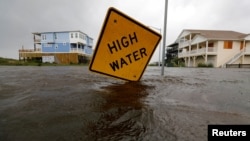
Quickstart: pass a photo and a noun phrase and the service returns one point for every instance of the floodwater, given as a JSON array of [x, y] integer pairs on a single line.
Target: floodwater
[[69, 103]]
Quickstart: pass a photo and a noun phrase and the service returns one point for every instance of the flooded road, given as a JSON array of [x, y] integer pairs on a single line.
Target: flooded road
[[72, 104]]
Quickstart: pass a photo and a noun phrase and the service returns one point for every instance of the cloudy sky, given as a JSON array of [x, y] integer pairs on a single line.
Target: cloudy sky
[[19, 18]]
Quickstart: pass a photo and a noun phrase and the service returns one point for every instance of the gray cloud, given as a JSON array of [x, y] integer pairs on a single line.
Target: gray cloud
[[19, 18]]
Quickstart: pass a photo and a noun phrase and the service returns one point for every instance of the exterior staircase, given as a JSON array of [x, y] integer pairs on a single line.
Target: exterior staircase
[[234, 58]]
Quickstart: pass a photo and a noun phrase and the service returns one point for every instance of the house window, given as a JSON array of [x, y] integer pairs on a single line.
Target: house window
[[76, 34], [72, 35], [211, 45], [228, 44], [44, 37]]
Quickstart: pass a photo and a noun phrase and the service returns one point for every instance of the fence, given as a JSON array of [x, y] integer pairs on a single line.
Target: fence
[[237, 65]]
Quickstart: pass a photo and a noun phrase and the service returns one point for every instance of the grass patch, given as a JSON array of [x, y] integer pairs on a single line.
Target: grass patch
[[14, 62]]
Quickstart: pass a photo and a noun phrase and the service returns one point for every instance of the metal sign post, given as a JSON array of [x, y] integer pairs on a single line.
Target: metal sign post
[[164, 37]]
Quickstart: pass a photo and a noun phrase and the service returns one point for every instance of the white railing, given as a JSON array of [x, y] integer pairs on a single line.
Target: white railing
[[30, 50], [73, 50], [77, 50], [212, 49], [199, 51], [193, 51]]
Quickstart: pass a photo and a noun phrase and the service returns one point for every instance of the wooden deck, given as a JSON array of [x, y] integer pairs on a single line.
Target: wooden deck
[[60, 58]]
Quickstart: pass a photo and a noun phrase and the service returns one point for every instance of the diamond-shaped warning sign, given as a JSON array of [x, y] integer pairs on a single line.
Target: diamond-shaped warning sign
[[124, 47]]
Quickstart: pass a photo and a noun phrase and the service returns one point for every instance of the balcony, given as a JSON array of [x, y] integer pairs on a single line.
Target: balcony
[[197, 52], [184, 44], [75, 50], [90, 44], [37, 41], [37, 50]]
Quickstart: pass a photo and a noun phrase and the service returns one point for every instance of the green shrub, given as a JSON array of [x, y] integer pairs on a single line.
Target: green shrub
[[203, 65], [210, 65], [177, 62]]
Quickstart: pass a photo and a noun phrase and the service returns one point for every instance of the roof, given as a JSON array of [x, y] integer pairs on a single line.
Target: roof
[[59, 32], [219, 34]]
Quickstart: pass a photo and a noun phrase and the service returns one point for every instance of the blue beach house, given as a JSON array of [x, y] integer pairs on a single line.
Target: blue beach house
[[61, 47]]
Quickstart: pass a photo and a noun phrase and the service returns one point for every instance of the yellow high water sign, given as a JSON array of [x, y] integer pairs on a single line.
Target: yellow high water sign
[[124, 47]]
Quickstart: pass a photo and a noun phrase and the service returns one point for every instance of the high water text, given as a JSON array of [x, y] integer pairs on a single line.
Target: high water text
[[121, 44]]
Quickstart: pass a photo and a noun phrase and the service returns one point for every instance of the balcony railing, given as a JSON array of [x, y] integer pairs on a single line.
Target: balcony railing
[[212, 49], [198, 51], [37, 40], [75, 50], [30, 50]]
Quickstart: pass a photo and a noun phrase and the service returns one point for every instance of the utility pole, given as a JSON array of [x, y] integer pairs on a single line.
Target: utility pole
[[164, 37]]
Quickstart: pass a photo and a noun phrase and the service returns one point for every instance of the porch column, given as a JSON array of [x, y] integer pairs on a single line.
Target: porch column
[[189, 58], [189, 43], [77, 47], [244, 50], [34, 36], [186, 61], [206, 52], [194, 61], [197, 47]]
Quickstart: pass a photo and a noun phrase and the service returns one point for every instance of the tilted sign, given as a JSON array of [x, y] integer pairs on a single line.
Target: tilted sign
[[124, 47]]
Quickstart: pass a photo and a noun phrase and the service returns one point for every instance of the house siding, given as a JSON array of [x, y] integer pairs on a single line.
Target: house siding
[[55, 42], [88, 50], [47, 37], [62, 38], [226, 54], [247, 59], [55, 48]]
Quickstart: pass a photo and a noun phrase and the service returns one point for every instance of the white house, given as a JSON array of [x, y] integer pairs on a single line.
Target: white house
[[215, 47]]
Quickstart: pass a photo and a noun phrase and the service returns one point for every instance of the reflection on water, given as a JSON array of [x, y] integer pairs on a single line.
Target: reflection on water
[[123, 114], [129, 94], [126, 115]]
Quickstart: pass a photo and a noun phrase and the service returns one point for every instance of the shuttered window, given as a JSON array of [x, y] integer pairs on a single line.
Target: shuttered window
[[228, 44]]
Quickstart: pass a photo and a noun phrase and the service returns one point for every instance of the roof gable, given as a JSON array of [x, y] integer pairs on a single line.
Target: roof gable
[[219, 34], [247, 37], [198, 39]]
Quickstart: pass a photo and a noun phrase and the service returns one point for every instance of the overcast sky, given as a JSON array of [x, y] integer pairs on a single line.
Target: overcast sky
[[19, 18]]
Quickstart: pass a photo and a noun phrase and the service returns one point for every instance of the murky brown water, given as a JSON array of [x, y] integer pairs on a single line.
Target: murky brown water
[[71, 103]]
